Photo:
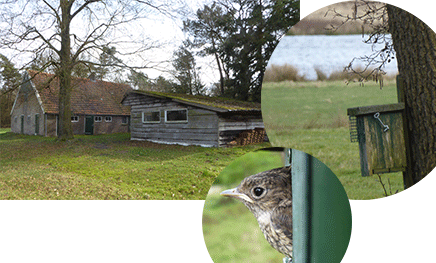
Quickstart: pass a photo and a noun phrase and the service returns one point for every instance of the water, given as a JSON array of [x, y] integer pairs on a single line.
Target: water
[[328, 53]]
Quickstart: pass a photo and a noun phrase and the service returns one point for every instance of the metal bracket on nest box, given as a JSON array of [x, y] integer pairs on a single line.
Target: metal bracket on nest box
[[377, 116]]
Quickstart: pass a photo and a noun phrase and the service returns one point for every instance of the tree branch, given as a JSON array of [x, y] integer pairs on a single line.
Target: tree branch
[[55, 12], [83, 7]]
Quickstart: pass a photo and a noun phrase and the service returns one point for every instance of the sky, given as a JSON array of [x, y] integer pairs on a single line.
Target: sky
[[166, 31]]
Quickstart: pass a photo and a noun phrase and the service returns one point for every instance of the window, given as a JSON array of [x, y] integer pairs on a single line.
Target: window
[[176, 115], [74, 118], [98, 118], [124, 120], [151, 117], [108, 119]]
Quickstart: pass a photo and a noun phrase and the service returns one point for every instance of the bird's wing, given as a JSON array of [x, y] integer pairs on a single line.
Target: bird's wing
[[281, 220]]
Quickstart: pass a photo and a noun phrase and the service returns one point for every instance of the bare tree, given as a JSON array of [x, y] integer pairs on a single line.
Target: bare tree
[[67, 31], [373, 18]]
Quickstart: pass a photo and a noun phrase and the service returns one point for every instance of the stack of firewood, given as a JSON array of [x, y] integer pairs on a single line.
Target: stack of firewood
[[250, 137]]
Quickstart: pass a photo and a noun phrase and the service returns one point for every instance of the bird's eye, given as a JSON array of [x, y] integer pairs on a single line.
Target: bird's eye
[[258, 191]]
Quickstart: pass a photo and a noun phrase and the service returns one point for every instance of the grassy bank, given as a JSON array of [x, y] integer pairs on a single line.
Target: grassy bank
[[312, 117], [107, 167]]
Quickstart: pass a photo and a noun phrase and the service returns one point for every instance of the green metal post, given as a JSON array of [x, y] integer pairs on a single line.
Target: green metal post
[[301, 173], [321, 212]]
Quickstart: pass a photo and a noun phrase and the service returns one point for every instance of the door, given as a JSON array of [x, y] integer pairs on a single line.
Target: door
[[22, 124], [36, 124], [89, 125]]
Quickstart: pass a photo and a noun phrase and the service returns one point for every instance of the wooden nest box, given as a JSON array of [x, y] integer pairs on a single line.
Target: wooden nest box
[[379, 129]]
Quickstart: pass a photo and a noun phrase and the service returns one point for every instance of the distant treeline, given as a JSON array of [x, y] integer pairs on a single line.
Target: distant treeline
[[330, 21]]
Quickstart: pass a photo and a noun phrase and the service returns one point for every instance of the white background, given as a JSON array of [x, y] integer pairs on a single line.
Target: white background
[[400, 228]]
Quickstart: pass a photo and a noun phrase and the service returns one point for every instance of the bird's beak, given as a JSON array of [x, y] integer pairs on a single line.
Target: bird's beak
[[236, 194]]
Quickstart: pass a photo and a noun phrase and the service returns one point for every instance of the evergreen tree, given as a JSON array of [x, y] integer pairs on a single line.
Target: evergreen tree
[[139, 80], [186, 73], [242, 34], [9, 82]]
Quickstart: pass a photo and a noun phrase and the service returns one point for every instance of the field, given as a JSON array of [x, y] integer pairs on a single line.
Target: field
[[311, 117], [107, 167]]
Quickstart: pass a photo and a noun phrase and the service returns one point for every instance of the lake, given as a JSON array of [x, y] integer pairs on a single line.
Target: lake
[[328, 53]]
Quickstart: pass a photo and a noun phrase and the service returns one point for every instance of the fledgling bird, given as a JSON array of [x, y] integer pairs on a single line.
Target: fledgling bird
[[268, 196]]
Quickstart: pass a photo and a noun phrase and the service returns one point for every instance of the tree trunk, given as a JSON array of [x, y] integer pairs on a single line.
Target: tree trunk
[[65, 131], [218, 62], [415, 47]]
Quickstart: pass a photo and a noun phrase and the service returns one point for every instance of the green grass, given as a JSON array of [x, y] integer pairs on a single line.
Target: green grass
[[107, 167], [297, 105], [232, 235], [249, 164], [311, 117]]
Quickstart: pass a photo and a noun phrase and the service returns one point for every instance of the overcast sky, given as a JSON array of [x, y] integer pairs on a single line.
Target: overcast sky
[[165, 30]]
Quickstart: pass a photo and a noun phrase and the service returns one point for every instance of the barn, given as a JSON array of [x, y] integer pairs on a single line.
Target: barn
[[193, 120], [95, 106]]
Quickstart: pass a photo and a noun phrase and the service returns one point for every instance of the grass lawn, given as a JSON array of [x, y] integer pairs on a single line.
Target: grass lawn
[[312, 117], [108, 167], [232, 234]]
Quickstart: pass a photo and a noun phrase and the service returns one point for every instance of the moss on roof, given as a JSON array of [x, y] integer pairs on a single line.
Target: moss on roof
[[215, 102]]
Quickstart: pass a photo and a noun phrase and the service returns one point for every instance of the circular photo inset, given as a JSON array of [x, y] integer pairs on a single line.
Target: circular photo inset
[[277, 204], [343, 85]]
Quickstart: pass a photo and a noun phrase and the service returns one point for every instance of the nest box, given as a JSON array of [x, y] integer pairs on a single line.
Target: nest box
[[379, 130]]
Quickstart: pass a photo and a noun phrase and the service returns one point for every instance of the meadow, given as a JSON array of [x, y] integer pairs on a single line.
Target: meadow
[[311, 116], [108, 167]]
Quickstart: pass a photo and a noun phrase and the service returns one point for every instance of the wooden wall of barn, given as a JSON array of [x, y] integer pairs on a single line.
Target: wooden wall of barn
[[200, 129], [230, 126]]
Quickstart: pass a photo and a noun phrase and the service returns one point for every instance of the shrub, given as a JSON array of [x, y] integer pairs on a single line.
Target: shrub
[[320, 75], [276, 73]]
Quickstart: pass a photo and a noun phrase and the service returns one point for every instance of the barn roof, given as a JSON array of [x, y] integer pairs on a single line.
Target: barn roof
[[87, 97], [216, 104]]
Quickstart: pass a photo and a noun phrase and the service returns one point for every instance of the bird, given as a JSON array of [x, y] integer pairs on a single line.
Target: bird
[[268, 195]]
